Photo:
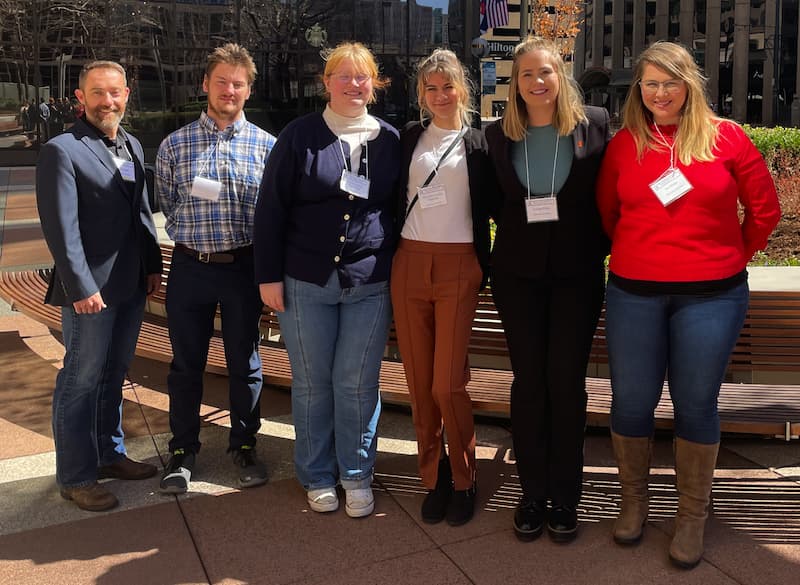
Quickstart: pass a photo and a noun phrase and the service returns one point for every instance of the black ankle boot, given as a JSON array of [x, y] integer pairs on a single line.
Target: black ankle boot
[[462, 506], [434, 506]]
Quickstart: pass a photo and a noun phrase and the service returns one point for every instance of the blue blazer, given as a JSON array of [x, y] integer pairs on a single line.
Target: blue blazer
[[99, 228]]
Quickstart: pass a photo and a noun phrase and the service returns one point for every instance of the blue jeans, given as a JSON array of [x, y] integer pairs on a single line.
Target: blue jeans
[[194, 290], [87, 402], [688, 337], [335, 339]]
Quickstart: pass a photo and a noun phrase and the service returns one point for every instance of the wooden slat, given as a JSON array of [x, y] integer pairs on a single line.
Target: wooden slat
[[769, 342]]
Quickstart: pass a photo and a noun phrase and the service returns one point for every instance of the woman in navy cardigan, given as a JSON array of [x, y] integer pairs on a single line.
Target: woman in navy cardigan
[[323, 247], [547, 277], [440, 265]]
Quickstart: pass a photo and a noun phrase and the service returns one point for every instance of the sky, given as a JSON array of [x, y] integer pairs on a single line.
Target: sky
[[435, 3]]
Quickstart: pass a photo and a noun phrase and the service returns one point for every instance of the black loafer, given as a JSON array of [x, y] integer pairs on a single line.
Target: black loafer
[[529, 519], [562, 523]]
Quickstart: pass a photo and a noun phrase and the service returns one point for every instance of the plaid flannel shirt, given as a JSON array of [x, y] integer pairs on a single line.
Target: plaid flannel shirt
[[235, 157]]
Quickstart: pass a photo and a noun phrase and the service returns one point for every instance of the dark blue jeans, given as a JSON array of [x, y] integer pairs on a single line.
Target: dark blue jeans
[[687, 337], [194, 290], [87, 402]]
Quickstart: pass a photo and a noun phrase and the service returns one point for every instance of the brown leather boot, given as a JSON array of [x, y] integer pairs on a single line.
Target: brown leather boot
[[126, 468], [633, 460], [694, 474], [92, 497]]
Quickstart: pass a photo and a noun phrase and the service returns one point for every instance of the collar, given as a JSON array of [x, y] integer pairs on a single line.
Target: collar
[[229, 132]]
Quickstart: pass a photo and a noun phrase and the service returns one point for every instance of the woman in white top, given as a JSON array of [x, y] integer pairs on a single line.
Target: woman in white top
[[439, 267]]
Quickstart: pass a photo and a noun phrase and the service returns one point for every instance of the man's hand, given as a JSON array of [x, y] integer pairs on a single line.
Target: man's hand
[[92, 304], [153, 284], [272, 295]]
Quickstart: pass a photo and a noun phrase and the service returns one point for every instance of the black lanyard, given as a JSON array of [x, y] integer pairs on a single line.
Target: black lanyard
[[450, 148]]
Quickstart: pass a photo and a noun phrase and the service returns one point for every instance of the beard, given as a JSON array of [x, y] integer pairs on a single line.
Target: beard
[[106, 121]]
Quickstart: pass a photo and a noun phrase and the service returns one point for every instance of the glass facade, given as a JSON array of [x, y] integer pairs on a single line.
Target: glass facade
[[163, 45]]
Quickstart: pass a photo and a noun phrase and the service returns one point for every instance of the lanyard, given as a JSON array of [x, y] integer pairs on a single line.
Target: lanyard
[[671, 147], [436, 169], [208, 159], [528, 171], [366, 154]]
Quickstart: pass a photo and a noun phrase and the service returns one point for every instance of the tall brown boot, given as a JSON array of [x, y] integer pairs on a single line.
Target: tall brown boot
[[694, 471], [633, 460]]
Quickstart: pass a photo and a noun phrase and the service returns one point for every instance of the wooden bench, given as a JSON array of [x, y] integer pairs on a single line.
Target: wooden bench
[[768, 346]]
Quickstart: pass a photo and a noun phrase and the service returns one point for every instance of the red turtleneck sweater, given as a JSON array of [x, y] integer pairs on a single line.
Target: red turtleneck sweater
[[698, 237]]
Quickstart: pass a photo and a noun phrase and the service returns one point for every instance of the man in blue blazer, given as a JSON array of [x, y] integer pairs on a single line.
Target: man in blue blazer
[[92, 200]]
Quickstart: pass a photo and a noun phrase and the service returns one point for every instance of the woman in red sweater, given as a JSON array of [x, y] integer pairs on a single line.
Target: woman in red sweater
[[677, 289]]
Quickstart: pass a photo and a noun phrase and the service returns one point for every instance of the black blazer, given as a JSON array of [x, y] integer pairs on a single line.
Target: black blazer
[[479, 171], [100, 231], [574, 245]]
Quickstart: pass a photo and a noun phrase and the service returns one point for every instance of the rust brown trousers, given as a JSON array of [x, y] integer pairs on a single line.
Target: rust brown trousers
[[434, 295]]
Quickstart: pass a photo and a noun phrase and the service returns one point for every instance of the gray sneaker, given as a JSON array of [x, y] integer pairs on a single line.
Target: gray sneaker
[[252, 471], [178, 473]]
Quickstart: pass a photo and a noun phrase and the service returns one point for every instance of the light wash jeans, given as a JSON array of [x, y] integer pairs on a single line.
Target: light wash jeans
[[87, 402], [688, 337], [335, 339]]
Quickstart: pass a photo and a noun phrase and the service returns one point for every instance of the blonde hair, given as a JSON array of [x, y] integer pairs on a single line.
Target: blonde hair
[[101, 65], [232, 54], [697, 127], [569, 102], [363, 60], [445, 62]]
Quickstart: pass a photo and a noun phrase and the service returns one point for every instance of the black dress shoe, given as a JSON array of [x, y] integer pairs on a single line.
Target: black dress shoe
[[434, 506], [562, 523], [461, 507], [529, 519]]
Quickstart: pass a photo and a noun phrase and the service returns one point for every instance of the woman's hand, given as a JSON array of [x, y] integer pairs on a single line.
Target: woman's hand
[[272, 295]]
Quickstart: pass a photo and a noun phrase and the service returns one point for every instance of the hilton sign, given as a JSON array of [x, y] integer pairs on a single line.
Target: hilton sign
[[501, 48]]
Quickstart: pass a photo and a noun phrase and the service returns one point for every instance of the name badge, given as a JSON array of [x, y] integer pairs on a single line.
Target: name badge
[[126, 169], [207, 189], [670, 186], [432, 196], [541, 209], [354, 184]]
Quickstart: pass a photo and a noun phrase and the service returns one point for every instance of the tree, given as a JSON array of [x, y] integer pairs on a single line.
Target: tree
[[559, 21]]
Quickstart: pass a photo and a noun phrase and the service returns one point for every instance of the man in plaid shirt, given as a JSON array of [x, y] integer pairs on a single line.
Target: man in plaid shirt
[[207, 179]]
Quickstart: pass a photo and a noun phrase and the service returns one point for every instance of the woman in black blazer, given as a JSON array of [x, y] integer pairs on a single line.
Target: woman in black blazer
[[547, 277], [440, 265]]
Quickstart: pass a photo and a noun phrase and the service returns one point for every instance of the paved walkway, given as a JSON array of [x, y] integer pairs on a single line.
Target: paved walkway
[[267, 535]]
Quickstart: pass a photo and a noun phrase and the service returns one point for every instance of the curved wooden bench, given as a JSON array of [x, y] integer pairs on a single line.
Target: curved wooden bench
[[770, 342]]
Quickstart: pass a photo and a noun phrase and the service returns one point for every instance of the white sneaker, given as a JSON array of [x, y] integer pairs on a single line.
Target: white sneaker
[[323, 499], [359, 502]]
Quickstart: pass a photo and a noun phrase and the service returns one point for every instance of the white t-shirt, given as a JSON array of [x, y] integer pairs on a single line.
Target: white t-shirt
[[452, 222]]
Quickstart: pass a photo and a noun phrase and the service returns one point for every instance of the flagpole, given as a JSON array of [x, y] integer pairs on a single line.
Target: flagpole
[[523, 20]]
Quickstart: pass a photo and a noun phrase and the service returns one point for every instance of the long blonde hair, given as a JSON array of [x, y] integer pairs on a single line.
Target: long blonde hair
[[364, 62], [569, 102], [697, 128], [445, 62]]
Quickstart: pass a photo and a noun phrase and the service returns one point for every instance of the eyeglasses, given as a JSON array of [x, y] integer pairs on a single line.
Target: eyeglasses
[[669, 86], [359, 78]]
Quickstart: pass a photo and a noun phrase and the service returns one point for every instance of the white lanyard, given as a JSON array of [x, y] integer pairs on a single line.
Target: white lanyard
[[208, 159], [671, 147], [528, 171], [366, 155]]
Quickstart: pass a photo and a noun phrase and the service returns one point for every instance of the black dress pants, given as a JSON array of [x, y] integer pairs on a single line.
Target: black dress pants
[[549, 324]]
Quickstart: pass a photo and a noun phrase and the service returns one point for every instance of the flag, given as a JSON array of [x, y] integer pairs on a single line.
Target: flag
[[484, 24], [496, 13]]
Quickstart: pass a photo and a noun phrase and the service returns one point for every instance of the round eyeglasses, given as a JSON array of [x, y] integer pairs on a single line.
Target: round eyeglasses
[[669, 86]]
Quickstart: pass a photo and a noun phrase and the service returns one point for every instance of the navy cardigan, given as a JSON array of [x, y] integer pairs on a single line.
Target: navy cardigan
[[306, 226]]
